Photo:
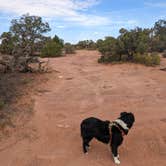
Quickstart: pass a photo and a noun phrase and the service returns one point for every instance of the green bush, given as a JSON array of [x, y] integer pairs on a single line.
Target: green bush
[[124, 58], [69, 48], [138, 58], [109, 59], [155, 59], [148, 60], [101, 59], [52, 49], [108, 47], [86, 44]]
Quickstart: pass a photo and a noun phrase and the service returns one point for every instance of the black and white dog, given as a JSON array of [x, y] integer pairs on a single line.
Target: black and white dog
[[107, 132]]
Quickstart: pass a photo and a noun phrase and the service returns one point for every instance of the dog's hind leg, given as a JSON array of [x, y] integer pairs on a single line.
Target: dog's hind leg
[[86, 144]]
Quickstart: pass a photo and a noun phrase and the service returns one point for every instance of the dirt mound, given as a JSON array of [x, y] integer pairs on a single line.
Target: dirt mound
[[83, 88]]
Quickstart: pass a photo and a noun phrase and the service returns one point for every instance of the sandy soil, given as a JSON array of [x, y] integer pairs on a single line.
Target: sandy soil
[[83, 88]]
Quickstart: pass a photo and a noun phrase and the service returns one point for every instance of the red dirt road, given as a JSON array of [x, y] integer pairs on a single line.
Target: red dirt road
[[84, 88]]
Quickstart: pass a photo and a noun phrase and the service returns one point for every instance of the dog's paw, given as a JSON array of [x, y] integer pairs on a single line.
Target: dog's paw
[[116, 160], [87, 148], [118, 156]]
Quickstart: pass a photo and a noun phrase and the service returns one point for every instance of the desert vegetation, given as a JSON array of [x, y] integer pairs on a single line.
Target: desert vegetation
[[137, 45], [25, 43], [86, 44], [20, 42], [18, 52], [53, 47], [13, 88], [69, 48]]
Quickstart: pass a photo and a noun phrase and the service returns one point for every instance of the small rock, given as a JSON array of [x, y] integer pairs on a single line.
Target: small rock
[[63, 126], [60, 76]]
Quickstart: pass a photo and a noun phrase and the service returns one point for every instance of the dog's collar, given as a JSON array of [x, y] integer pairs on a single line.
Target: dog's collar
[[116, 125], [122, 124]]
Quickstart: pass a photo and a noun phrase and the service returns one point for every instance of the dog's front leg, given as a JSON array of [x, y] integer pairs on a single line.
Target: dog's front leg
[[115, 154]]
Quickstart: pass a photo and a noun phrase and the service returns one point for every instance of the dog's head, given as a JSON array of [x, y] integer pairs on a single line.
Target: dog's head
[[126, 121], [128, 118]]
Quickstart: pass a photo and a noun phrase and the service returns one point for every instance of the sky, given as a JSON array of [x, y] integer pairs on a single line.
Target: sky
[[75, 20]]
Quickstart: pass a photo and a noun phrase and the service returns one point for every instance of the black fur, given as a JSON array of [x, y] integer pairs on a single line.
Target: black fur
[[96, 128]]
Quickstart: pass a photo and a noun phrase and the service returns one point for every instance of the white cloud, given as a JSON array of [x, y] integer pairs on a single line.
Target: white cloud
[[96, 33], [156, 4], [124, 22], [67, 10], [60, 26], [86, 3]]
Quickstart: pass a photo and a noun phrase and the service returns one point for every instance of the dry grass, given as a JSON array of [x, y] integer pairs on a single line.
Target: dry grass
[[15, 99]]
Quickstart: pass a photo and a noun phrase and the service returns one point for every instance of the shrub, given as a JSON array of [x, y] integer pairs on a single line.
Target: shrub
[[155, 59], [148, 60], [7, 43], [108, 59], [69, 48], [52, 49], [103, 59], [108, 47], [20, 42], [138, 58], [86, 44], [124, 58]]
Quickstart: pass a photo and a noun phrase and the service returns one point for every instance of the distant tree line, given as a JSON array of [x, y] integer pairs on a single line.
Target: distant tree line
[[136, 45], [86, 44], [25, 41]]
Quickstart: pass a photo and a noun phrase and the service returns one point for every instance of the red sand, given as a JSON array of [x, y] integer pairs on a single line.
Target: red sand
[[85, 88]]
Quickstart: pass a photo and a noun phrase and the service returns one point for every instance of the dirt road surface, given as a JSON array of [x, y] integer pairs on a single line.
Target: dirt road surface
[[79, 88]]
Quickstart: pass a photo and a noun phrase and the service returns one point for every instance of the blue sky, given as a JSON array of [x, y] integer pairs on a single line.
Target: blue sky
[[74, 20]]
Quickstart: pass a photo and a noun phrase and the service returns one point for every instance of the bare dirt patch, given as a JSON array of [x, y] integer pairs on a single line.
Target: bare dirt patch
[[95, 90]]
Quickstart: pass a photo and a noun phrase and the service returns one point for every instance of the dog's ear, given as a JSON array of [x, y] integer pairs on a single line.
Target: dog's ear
[[123, 113], [132, 116]]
